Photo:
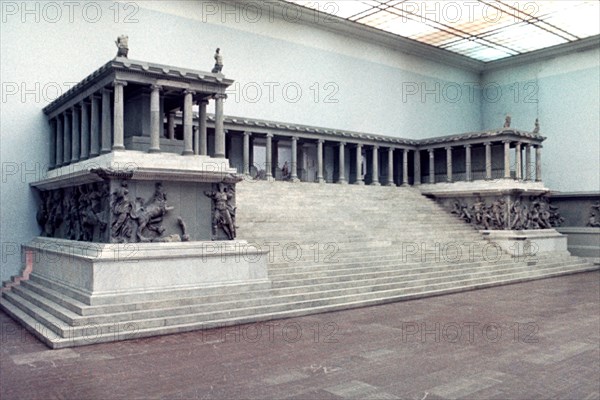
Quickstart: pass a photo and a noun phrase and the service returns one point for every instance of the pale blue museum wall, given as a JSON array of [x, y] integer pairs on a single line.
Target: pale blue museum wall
[[563, 92], [44, 52]]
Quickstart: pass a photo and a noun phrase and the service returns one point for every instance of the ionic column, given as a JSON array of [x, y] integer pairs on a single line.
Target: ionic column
[[417, 168], [404, 167], [269, 157], [219, 130], [506, 159], [431, 165], [188, 121], [538, 163], [342, 163], [171, 125], [390, 181], [468, 172], [320, 178], [359, 176], [95, 127], [488, 160], [66, 138], [449, 164], [75, 135], [294, 166], [155, 119], [246, 154], [106, 122], [85, 131], [118, 126], [52, 144], [528, 162], [202, 127], [519, 168], [59, 141], [375, 166]]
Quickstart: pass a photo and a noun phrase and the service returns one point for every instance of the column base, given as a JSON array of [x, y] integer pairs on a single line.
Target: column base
[[295, 179], [344, 182], [74, 160], [104, 151], [118, 148], [187, 153], [390, 184], [360, 183], [375, 184], [153, 150], [404, 185]]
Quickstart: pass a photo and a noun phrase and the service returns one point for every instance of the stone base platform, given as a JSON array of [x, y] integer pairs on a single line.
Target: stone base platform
[[529, 243], [104, 292]]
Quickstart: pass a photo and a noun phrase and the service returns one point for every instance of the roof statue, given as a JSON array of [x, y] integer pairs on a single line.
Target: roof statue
[[122, 43], [507, 121], [218, 62], [536, 128]]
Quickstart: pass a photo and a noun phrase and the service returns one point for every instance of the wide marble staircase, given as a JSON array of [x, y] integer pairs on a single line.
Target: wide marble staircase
[[333, 247]]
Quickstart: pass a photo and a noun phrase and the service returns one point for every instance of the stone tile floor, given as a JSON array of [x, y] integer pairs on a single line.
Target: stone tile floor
[[534, 340]]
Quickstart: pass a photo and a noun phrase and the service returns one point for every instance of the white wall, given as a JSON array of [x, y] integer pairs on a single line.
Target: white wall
[[563, 93]]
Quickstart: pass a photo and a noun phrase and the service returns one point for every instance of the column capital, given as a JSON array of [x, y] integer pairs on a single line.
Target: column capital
[[118, 82], [431, 151], [321, 141], [84, 102], [203, 101], [295, 138], [246, 133], [155, 86], [375, 147], [218, 96], [391, 149], [448, 148], [468, 146], [359, 145], [188, 91], [94, 96], [505, 141], [405, 151], [269, 135], [538, 146], [519, 143], [487, 143], [106, 90], [75, 107], [342, 144]]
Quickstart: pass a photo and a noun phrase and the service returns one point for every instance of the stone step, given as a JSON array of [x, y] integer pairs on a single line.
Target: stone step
[[73, 319], [73, 336]]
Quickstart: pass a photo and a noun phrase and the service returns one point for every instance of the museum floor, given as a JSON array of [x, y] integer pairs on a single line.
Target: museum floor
[[534, 340]]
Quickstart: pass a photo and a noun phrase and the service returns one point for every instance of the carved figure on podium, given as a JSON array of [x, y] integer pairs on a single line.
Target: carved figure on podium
[[122, 209], [223, 211], [481, 215], [149, 215], [122, 43], [218, 62], [461, 211], [594, 220], [498, 211], [507, 121]]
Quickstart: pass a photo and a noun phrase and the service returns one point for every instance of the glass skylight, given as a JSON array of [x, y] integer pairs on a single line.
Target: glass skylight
[[485, 30]]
